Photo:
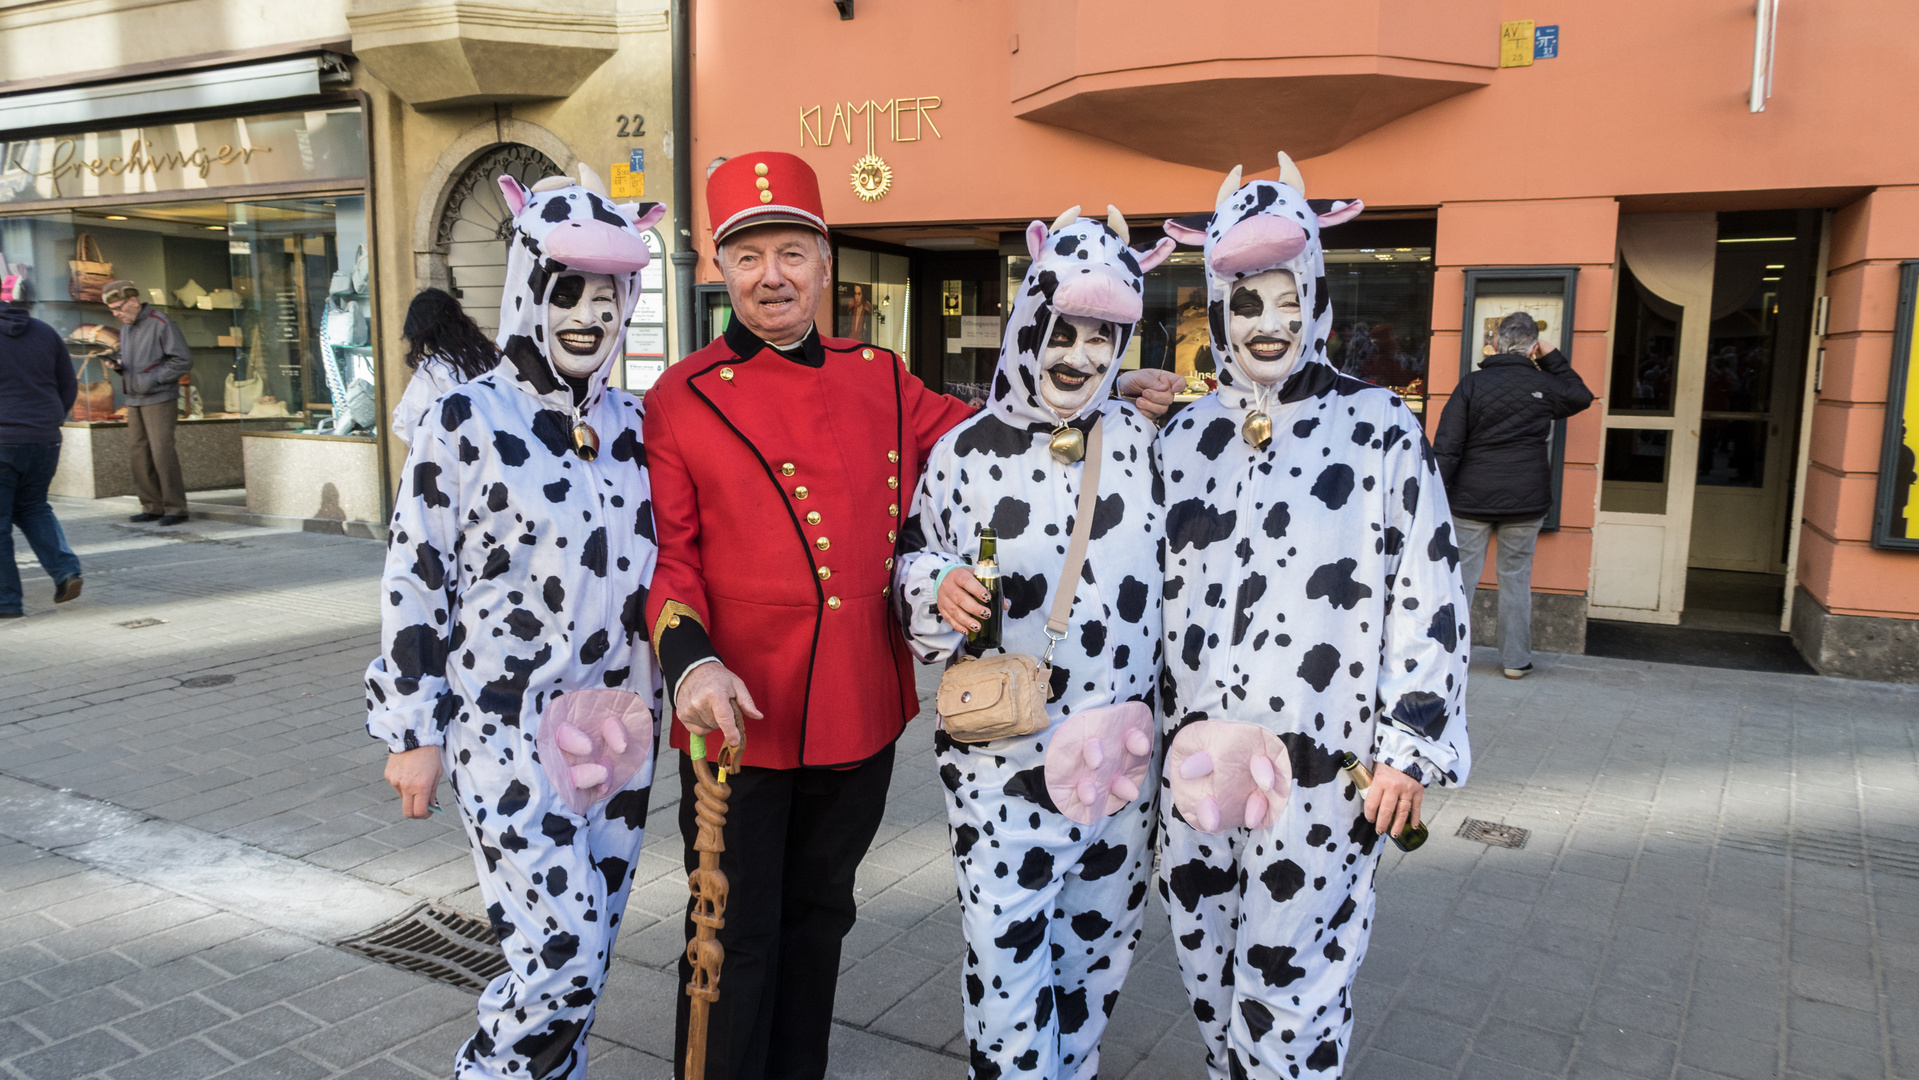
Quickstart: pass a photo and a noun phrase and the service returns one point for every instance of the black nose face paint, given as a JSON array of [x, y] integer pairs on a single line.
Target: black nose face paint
[[1293, 327], [567, 292]]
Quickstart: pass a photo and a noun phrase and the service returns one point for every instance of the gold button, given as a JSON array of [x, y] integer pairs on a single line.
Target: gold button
[[726, 373], [892, 481], [762, 183], [889, 562], [824, 573], [766, 196], [813, 517], [893, 456], [893, 510], [886, 590], [833, 602], [673, 623], [759, 168], [822, 543], [866, 354], [799, 493], [891, 536], [786, 468]]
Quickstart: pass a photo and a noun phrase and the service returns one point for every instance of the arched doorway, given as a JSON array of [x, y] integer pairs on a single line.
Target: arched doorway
[[474, 225]]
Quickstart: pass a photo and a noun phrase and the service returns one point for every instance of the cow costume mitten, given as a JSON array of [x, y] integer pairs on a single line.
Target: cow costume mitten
[[1051, 832], [513, 634], [1312, 608]]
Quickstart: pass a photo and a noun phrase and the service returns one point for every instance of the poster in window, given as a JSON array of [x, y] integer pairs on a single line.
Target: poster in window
[[1896, 520], [1544, 292]]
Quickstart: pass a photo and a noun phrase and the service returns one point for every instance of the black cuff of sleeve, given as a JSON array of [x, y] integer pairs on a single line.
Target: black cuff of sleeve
[[680, 648]]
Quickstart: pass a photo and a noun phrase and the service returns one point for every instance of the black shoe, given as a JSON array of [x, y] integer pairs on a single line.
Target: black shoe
[[144, 517], [67, 590], [13, 614], [173, 519]]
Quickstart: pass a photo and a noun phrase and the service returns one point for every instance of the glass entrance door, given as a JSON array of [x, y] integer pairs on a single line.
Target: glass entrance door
[[959, 335]]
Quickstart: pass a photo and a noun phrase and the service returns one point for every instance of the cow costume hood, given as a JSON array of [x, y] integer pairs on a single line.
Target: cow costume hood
[[561, 225], [1081, 267], [1265, 225]]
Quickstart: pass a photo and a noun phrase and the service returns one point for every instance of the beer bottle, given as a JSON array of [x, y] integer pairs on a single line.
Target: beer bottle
[[986, 569], [1409, 837]]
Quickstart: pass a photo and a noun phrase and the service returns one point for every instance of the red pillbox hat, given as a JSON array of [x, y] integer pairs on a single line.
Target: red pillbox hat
[[762, 189]]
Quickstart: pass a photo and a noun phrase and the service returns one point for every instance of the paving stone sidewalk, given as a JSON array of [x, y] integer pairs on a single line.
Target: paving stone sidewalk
[[1721, 877]]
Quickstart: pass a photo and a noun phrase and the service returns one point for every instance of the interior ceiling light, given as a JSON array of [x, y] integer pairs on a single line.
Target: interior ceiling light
[[1775, 266], [214, 228], [1757, 239], [116, 217]]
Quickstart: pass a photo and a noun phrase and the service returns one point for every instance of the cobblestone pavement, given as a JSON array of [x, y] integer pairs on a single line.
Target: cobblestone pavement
[[1721, 876]]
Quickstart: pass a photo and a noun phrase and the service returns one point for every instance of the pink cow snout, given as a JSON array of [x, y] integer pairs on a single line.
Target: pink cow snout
[[1098, 760], [592, 742], [1228, 776], [1096, 295], [1259, 242], [596, 247]]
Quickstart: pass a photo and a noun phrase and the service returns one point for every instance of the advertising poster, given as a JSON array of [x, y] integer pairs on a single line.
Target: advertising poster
[[1896, 523]]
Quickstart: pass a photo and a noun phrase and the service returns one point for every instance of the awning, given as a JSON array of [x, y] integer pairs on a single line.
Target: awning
[[211, 88]]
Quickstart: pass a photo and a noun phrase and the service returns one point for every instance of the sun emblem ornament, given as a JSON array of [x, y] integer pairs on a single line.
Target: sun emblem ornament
[[872, 178]]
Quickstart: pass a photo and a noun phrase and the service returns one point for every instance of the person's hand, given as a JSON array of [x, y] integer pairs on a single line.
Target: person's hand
[[114, 364], [1539, 351], [713, 699], [962, 600], [1150, 390], [415, 774], [1392, 803]]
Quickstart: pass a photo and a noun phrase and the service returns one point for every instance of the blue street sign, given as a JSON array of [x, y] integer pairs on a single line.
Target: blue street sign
[[636, 159], [1545, 42]]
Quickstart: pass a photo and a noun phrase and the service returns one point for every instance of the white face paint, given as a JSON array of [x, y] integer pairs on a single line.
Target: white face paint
[[1072, 366], [1263, 323], [582, 323]]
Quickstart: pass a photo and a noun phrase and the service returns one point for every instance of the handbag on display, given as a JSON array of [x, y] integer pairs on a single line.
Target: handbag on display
[[13, 281], [1004, 696], [268, 405], [95, 399], [89, 269], [344, 323]]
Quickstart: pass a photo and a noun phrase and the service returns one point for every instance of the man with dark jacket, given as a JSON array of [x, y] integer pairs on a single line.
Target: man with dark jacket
[[36, 390], [153, 356], [1494, 457]]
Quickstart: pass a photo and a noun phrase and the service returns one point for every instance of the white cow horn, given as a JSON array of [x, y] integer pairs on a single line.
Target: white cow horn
[[1116, 221], [591, 181], [1289, 174], [1071, 215], [1227, 187]]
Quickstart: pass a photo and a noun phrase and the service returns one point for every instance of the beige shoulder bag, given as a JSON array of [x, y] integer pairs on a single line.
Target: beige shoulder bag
[[1004, 696]]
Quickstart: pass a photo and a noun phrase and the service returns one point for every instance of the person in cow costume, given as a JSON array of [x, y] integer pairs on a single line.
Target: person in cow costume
[[1313, 609], [514, 654], [1051, 837]]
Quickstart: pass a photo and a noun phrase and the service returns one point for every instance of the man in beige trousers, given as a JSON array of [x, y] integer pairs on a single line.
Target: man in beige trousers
[[153, 356]]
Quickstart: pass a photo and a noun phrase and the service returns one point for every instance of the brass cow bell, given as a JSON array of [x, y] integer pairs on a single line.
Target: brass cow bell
[[1068, 445], [586, 441], [1257, 430]]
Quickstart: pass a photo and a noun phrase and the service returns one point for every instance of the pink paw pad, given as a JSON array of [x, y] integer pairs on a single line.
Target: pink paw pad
[[592, 742], [1098, 759], [1228, 776]]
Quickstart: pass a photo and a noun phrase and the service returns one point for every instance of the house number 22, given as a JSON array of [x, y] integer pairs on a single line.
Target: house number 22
[[632, 127]]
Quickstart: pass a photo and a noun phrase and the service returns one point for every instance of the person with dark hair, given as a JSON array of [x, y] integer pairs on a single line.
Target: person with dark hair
[[1494, 456], [444, 348], [37, 388]]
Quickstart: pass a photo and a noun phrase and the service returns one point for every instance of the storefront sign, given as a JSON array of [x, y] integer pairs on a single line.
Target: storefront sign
[[1896, 520], [324, 144], [1546, 43], [896, 110], [1516, 44]]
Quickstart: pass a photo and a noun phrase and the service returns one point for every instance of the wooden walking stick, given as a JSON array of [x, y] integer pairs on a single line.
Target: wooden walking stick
[[708, 886]]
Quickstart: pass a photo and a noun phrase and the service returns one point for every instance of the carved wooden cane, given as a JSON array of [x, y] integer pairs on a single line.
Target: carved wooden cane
[[708, 886]]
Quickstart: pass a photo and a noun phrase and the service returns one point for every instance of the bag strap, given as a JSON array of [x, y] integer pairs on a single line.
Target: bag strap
[[1056, 622]]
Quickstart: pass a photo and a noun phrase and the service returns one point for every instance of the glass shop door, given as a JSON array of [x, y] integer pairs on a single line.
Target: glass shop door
[[958, 310]]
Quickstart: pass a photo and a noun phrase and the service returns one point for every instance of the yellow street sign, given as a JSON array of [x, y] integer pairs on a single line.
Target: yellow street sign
[[627, 184], [1516, 44]]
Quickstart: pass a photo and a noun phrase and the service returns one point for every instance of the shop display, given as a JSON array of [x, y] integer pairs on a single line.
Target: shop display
[[88, 269], [1895, 522], [346, 350]]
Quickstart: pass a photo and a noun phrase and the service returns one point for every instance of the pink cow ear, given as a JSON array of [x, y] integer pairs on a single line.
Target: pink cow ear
[[645, 218], [1156, 254], [515, 194], [1185, 234], [1341, 212], [1035, 239]]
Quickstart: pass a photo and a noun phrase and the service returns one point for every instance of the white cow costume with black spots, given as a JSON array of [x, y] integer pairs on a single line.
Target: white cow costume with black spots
[[1312, 608], [1052, 884], [515, 581]]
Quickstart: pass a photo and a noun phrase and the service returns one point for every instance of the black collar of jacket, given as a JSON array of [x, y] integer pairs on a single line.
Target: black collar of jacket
[[1506, 359], [746, 345], [1310, 381]]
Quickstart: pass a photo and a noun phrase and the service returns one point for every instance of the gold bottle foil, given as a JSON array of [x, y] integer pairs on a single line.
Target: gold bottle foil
[[586, 441], [1068, 445], [1409, 837], [1257, 430]]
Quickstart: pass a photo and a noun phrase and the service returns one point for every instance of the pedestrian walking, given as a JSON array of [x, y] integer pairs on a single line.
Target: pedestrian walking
[[782, 462], [153, 356], [513, 656], [444, 348], [37, 388], [1495, 459]]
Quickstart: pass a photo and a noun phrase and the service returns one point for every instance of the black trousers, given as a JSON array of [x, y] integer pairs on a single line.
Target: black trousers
[[794, 838]]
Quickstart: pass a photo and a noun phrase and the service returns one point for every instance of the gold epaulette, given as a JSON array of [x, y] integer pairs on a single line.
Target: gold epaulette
[[670, 616]]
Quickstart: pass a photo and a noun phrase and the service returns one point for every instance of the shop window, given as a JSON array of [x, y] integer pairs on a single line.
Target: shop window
[[1645, 355], [1637, 471], [273, 297], [871, 303]]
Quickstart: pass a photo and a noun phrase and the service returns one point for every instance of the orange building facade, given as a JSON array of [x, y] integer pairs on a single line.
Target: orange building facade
[[1730, 259]]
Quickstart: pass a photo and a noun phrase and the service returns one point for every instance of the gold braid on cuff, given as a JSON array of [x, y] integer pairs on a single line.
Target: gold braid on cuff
[[670, 616]]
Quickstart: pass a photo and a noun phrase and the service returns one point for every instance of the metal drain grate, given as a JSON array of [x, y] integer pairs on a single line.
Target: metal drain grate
[[202, 682], [455, 949], [1491, 832], [142, 624]]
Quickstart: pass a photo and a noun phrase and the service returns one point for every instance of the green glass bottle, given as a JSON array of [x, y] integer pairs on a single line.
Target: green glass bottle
[[986, 569], [1411, 836]]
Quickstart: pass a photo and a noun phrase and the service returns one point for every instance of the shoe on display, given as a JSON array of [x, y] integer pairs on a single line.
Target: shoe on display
[[143, 517], [173, 519], [67, 590], [1511, 672]]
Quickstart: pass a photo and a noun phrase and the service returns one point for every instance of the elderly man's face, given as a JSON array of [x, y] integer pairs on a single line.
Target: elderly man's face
[[775, 275], [1263, 322], [126, 309]]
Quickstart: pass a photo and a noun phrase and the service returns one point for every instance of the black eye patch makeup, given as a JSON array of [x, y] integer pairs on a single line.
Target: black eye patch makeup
[[567, 292], [1064, 335], [1247, 304]]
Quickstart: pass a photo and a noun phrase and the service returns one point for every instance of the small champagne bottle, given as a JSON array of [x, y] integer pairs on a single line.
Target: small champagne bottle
[[986, 569], [1409, 837]]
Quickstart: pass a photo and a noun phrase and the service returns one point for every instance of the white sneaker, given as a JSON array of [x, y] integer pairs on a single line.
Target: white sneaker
[[1519, 672]]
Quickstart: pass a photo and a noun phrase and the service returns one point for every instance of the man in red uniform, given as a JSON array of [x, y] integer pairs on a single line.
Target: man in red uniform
[[782, 462]]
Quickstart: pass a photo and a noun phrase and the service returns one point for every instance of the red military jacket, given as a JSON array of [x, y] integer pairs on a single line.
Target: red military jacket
[[779, 489]]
